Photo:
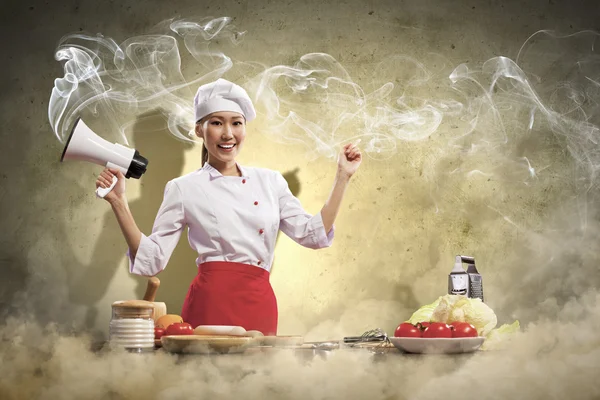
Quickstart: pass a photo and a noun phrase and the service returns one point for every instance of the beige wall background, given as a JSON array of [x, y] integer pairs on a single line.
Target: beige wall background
[[404, 217]]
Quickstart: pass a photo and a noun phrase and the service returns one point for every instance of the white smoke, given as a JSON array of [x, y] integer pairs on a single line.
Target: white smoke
[[478, 112], [116, 82], [556, 358]]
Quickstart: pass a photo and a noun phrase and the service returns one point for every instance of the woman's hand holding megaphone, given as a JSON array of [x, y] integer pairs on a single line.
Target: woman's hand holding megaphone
[[105, 181]]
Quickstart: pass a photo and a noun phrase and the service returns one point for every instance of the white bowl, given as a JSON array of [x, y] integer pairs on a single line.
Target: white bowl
[[437, 345]]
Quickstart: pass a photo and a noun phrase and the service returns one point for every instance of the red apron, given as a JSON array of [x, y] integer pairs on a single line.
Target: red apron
[[228, 293]]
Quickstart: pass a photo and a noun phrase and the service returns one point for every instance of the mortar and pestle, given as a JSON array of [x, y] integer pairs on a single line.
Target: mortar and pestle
[[160, 308]]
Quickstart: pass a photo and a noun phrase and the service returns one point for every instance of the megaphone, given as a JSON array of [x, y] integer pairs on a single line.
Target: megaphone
[[85, 145]]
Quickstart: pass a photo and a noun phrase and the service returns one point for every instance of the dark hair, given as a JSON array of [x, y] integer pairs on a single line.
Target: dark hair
[[204, 150], [204, 154]]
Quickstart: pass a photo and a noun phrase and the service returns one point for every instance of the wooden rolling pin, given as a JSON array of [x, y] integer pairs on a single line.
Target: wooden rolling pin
[[160, 308]]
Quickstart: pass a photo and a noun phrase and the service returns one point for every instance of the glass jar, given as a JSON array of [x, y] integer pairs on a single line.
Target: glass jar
[[132, 325]]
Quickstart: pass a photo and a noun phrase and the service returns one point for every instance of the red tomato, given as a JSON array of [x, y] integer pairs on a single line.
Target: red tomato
[[437, 330], [158, 332], [406, 329], [179, 328], [463, 329], [423, 325]]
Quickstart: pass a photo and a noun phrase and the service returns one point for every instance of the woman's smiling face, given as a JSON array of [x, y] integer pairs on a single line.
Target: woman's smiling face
[[223, 133]]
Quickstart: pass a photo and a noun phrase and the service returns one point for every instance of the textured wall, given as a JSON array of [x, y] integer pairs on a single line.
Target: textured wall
[[513, 187], [391, 245]]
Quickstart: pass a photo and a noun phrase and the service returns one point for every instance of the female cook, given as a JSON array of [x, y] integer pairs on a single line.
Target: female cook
[[233, 214]]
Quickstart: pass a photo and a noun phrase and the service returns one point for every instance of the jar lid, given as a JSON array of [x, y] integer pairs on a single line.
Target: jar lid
[[139, 304], [133, 309]]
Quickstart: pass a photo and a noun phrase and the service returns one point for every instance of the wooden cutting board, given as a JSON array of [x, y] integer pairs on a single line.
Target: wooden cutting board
[[203, 344]]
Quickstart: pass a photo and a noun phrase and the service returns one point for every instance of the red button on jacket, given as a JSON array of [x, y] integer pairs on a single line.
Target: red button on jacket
[[261, 231]]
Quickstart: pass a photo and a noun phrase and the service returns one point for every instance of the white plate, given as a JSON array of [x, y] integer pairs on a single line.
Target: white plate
[[219, 330], [437, 345]]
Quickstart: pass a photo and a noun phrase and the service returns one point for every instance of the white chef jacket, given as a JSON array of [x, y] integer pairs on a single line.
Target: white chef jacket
[[229, 218]]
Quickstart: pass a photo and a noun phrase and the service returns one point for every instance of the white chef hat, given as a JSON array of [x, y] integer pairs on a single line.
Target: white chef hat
[[222, 95]]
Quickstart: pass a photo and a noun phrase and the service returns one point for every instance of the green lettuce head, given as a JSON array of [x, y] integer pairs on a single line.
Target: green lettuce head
[[456, 308], [444, 309], [424, 313], [475, 312]]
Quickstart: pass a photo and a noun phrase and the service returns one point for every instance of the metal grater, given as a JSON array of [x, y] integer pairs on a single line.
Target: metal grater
[[458, 280], [475, 281], [467, 283]]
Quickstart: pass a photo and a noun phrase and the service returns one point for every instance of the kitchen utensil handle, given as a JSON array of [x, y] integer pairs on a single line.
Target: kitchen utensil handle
[[355, 339], [467, 259], [151, 288], [101, 192]]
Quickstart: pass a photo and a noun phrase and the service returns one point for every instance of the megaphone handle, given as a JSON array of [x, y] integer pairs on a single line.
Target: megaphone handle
[[101, 192]]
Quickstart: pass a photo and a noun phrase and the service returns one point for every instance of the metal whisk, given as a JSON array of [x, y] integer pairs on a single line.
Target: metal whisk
[[374, 335]]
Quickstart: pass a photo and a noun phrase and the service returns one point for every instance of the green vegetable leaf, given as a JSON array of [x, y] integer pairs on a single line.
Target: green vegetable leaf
[[424, 313], [456, 308], [497, 337]]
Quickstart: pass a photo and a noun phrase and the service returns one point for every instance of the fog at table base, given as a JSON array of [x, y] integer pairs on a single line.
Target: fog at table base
[[495, 158]]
